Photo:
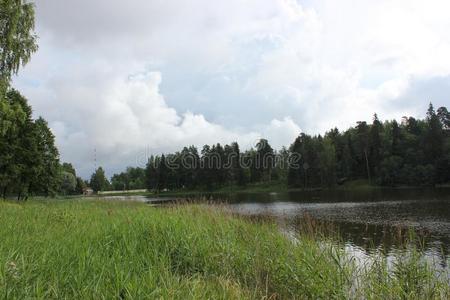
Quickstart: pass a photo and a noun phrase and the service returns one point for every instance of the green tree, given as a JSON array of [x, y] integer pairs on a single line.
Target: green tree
[[205, 173], [219, 160], [265, 160], [14, 116], [29, 158], [444, 117], [238, 172], [293, 176], [188, 162], [151, 174], [131, 179], [390, 170], [434, 139], [362, 134], [414, 152], [68, 183], [18, 40], [99, 182], [46, 180], [327, 163], [443, 162], [163, 174], [375, 147], [427, 174], [81, 185], [68, 167]]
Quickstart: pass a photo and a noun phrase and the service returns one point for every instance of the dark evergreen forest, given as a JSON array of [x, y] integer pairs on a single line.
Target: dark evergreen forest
[[413, 152]]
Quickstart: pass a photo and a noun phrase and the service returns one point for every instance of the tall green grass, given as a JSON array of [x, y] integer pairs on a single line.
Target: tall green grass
[[102, 250]]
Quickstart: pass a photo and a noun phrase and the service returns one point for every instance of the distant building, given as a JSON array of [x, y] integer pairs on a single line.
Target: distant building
[[88, 191]]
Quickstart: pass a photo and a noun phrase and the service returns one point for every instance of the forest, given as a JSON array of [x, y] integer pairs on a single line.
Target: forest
[[413, 152]]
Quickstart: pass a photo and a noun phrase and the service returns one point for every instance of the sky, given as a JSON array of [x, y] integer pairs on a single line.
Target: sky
[[121, 80]]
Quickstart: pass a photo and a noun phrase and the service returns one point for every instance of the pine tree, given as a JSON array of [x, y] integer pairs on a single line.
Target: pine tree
[[46, 181], [434, 137], [375, 145], [265, 160], [99, 182], [163, 174], [294, 171], [444, 117], [151, 173], [362, 134]]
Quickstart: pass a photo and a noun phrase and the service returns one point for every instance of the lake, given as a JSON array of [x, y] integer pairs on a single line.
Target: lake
[[368, 221]]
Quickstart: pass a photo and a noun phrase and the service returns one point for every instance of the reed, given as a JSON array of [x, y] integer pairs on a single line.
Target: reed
[[89, 249]]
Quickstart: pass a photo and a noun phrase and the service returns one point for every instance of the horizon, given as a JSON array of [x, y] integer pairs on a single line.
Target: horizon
[[142, 159], [122, 78]]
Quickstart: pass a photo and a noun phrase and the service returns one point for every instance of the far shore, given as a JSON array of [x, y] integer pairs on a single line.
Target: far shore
[[275, 187]]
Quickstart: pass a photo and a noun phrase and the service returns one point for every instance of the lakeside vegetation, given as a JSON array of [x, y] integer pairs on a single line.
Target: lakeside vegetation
[[413, 153], [104, 249], [272, 187], [73, 248]]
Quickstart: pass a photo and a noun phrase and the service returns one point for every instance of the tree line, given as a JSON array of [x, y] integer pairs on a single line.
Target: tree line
[[213, 167], [413, 152]]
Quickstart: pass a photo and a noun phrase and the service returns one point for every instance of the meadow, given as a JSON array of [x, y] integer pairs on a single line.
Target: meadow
[[94, 249]]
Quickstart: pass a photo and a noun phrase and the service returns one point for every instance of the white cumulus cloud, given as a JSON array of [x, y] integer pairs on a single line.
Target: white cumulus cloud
[[128, 77]]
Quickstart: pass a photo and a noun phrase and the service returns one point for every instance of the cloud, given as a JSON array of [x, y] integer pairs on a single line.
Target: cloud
[[123, 77], [128, 120], [280, 131]]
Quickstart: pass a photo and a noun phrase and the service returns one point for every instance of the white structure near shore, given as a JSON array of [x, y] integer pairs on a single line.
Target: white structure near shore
[[122, 192]]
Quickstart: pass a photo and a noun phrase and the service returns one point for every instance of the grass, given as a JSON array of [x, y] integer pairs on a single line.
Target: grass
[[88, 249], [358, 184], [274, 186], [264, 187]]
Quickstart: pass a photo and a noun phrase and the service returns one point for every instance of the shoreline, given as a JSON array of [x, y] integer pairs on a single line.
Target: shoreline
[[261, 188]]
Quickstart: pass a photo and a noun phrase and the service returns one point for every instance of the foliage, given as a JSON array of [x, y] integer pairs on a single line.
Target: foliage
[[98, 181], [29, 160], [80, 186], [116, 250], [68, 183], [47, 181], [216, 166], [131, 179], [18, 40], [68, 167], [414, 152]]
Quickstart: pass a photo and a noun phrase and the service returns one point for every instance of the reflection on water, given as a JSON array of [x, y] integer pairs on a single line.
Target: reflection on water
[[369, 222]]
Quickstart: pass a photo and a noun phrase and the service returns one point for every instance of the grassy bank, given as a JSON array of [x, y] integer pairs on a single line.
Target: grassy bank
[[264, 187], [97, 249], [250, 188]]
